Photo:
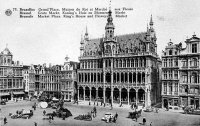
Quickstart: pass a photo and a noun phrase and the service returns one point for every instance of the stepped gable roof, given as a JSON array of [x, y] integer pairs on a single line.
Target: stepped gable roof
[[127, 39], [6, 51]]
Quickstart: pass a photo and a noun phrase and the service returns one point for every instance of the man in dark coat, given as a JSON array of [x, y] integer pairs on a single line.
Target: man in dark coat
[[5, 120]]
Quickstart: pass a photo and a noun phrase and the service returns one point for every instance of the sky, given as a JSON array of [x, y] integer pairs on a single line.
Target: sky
[[38, 41]]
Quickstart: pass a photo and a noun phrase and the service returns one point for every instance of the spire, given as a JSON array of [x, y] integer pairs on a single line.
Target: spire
[[86, 31], [151, 21], [86, 37], [109, 29], [147, 27], [110, 5]]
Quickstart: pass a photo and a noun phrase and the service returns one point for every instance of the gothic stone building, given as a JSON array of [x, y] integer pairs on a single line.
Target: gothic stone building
[[180, 79], [119, 69]]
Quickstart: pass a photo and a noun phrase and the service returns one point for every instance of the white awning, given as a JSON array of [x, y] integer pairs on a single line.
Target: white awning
[[4, 94], [18, 93]]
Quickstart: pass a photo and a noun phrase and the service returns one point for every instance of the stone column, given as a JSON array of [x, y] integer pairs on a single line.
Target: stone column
[[90, 94], [104, 90], [83, 93], [188, 100], [97, 94], [120, 95], [128, 95], [84, 77], [120, 77], [111, 87], [136, 78], [136, 99], [128, 77]]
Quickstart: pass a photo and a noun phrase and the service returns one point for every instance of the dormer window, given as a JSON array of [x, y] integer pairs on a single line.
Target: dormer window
[[170, 52], [194, 48]]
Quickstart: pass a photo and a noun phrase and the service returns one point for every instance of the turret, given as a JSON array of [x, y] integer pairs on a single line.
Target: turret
[[82, 46], [109, 29]]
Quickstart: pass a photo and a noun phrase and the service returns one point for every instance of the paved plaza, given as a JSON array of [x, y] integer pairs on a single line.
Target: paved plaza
[[163, 118]]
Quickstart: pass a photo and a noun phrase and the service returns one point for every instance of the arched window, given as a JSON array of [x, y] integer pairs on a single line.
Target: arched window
[[170, 52]]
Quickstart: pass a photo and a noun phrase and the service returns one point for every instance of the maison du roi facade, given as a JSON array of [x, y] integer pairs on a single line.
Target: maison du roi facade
[[120, 69], [11, 77], [181, 74]]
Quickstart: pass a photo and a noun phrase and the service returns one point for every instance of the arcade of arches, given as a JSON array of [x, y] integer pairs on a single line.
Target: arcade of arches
[[118, 77], [123, 95]]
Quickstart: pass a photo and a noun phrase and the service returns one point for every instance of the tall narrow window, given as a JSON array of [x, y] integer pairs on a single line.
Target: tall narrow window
[[170, 74], [165, 74], [170, 52], [165, 88], [194, 48]]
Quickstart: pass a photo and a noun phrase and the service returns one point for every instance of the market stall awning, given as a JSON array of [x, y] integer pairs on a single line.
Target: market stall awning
[[4, 94], [18, 93]]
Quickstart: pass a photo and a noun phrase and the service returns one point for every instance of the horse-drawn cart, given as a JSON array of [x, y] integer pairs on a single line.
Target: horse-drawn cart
[[135, 114]]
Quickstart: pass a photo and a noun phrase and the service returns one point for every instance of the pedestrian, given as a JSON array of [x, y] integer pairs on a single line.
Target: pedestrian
[[35, 124], [92, 113], [5, 120], [151, 124], [144, 120], [44, 113], [49, 119], [114, 119], [95, 111], [116, 115], [52, 117], [17, 112], [111, 106], [110, 119]]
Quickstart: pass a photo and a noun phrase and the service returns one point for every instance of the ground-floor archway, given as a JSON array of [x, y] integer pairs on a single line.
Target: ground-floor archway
[[132, 95], [108, 95], [93, 93], [124, 95], [87, 93], [100, 93], [81, 92], [141, 95], [165, 104], [116, 95]]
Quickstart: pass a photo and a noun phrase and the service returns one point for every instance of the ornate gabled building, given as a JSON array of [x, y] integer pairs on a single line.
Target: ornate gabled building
[[170, 74], [120, 69], [69, 80], [49, 79], [11, 78], [181, 70]]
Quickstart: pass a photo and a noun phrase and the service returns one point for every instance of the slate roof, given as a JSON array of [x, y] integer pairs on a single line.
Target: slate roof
[[127, 40]]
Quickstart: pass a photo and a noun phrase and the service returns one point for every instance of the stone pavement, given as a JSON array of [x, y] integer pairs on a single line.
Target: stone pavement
[[115, 105], [124, 106]]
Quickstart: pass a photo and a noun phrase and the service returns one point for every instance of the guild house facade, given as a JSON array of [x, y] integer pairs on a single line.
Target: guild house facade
[[181, 74], [120, 69], [11, 78], [69, 80]]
